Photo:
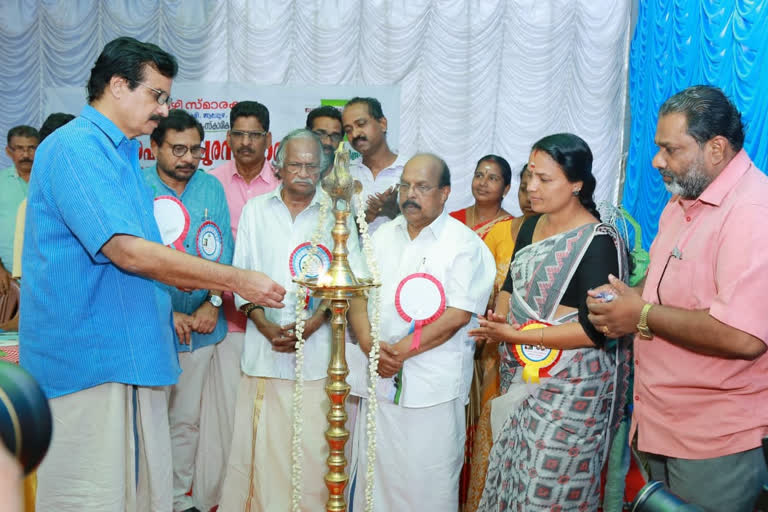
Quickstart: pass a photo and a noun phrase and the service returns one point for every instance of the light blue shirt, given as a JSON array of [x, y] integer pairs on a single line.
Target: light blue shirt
[[84, 321], [13, 190], [204, 199]]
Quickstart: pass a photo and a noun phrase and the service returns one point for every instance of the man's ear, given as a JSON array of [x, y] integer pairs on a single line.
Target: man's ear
[[117, 86], [444, 193], [717, 149]]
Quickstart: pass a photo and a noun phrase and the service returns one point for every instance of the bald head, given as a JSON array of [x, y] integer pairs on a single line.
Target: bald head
[[424, 189]]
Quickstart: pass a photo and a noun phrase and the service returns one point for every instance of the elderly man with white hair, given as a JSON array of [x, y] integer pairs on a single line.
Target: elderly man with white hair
[[259, 468]]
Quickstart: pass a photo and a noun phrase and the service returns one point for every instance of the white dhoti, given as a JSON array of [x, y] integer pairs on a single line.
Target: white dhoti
[[258, 475], [184, 405], [419, 454], [217, 417], [93, 458]]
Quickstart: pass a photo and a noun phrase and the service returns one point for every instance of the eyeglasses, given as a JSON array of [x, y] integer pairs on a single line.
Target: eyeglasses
[[180, 150], [239, 134], [163, 98], [296, 167], [335, 137], [23, 149], [674, 254], [420, 189]]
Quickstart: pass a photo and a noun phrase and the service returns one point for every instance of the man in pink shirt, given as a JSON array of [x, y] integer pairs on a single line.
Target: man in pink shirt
[[247, 176], [701, 373]]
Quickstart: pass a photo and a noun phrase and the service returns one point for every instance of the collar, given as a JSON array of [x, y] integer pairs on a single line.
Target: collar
[[106, 125], [320, 195], [399, 162], [436, 227], [267, 174], [156, 177], [723, 183]]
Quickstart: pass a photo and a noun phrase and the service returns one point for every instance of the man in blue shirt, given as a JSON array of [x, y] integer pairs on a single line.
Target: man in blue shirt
[[95, 330], [197, 315]]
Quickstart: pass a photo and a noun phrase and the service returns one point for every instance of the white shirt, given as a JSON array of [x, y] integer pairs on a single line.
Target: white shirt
[[266, 237], [386, 179], [459, 259]]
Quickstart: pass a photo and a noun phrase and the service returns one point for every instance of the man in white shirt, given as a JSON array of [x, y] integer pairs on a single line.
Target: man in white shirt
[[366, 128], [420, 438], [275, 232]]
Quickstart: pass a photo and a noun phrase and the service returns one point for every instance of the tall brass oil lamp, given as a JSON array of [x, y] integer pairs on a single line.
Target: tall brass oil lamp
[[339, 285]]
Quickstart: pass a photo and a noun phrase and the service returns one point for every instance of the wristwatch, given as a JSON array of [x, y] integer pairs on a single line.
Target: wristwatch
[[642, 325], [215, 300]]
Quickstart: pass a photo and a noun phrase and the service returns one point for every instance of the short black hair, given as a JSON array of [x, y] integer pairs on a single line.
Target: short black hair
[[506, 170], [374, 106], [445, 174], [126, 57], [250, 109], [53, 122], [708, 113], [23, 131], [324, 111], [178, 120]]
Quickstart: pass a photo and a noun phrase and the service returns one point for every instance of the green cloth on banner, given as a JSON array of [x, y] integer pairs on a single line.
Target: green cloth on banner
[[639, 256]]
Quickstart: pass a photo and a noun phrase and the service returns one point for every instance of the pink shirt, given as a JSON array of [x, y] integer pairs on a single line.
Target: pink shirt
[[238, 193], [689, 405]]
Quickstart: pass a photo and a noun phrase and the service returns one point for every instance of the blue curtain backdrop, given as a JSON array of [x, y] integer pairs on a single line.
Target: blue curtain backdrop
[[678, 43]]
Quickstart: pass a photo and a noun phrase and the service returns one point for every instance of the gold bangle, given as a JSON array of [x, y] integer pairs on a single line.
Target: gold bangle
[[540, 346]]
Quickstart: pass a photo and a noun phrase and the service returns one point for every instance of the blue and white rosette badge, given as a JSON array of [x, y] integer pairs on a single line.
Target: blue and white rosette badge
[[209, 241], [310, 264]]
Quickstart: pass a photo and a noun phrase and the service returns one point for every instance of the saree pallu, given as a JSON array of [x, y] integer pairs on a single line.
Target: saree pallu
[[551, 445], [485, 381]]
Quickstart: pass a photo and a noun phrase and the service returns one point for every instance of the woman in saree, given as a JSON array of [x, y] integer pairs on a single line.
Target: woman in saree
[[501, 242], [490, 184], [562, 382]]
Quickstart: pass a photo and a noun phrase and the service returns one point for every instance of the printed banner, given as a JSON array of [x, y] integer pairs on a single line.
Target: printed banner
[[211, 102]]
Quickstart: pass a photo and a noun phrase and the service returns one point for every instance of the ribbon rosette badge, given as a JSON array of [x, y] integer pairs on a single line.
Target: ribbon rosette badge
[[536, 362], [209, 241], [308, 263], [172, 219], [420, 299]]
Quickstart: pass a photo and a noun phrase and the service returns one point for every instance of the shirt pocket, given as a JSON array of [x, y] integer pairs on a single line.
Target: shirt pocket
[[686, 284]]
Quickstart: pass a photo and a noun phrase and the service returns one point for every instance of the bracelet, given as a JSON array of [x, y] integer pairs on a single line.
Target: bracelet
[[248, 308], [541, 346]]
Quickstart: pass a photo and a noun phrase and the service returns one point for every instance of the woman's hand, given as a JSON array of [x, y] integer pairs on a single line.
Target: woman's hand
[[496, 328]]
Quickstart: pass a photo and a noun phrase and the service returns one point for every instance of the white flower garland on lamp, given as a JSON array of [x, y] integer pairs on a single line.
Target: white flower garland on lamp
[[373, 364], [297, 454], [373, 356]]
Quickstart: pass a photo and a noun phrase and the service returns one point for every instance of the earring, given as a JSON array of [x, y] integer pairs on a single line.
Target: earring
[[576, 192]]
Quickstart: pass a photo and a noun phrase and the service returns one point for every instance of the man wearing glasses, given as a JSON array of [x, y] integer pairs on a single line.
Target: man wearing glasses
[[197, 316], [95, 330], [288, 219], [249, 174], [426, 371], [14, 180], [701, 317], [325, 122]]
